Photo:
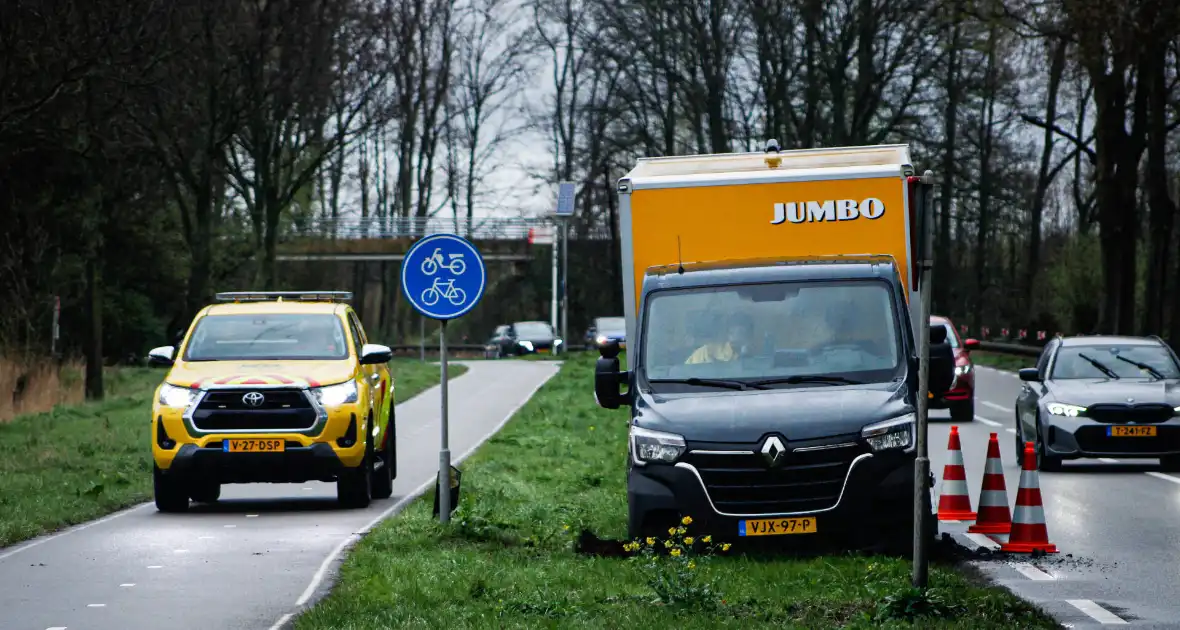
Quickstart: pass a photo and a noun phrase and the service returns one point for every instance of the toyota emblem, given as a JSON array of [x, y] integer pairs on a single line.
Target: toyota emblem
[[773, 451], [253, 399]]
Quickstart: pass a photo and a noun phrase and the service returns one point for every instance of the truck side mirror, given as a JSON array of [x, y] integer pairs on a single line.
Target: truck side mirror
[[940, 368], [164, 355], [608, 378]]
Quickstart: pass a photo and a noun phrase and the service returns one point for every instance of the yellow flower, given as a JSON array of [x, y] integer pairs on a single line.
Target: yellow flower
[[565, 527], [591, 428], [686, 520], [675, 553], [692, 565], [668, 544], [671, 531], [650, 541], [724, 546], [681, 531], [688, 540], [707, 539]]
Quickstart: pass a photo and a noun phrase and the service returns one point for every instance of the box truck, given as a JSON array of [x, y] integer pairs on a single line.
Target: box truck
[[775, 325]]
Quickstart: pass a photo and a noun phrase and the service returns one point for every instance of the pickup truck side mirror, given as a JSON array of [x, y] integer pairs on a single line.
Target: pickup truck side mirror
[[163, 356], [941, 362], [373, 354], [609, 378]]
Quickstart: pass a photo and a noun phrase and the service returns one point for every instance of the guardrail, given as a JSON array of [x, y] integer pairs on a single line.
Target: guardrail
[[488, 228], [1019, 349]]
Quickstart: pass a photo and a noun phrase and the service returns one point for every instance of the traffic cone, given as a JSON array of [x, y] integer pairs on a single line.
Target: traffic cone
[[953, 502], [994, 517], [1028, 523]]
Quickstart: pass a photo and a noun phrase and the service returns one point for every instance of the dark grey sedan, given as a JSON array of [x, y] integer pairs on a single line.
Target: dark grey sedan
[[1101, 396]]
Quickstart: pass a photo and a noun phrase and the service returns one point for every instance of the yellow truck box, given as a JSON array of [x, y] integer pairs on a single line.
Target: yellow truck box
[[798, 203]]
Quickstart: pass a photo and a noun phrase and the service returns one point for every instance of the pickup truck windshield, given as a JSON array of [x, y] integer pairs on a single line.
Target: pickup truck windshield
[[286, 336], [847, 331]]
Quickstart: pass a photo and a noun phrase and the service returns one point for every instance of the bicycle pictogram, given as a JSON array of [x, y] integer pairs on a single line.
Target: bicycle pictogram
[[440, 289], [431, 265]]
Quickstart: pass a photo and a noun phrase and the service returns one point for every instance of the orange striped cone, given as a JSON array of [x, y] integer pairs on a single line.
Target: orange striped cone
[[953, 502], [994, 517], [1028, 523]]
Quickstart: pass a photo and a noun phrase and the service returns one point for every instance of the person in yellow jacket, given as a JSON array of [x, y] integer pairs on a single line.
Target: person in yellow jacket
[[739, 333]]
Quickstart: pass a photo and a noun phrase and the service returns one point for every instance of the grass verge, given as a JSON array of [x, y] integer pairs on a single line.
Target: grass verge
[[79, 462], [508, 559], [999, 361]]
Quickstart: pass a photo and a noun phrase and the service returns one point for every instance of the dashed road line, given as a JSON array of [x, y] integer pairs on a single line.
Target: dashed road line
[[96, 605], [127, 585], [180, 551], [988, 403], [990, 423], [1011, 430], [155, 566], [251, 516], [1031, 572], [1096, 612], [57, 628], [1159, 475], [230, 526], [983, 541]]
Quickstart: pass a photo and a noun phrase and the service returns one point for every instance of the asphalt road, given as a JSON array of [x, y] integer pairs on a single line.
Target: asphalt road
[[1119, 520], [256, 557]]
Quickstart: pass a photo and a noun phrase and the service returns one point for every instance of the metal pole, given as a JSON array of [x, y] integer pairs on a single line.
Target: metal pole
[[553, 304], [565, 288], [444, 453], [422, 338], [922, 461]]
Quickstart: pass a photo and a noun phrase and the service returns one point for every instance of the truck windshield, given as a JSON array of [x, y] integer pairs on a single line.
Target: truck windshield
[[777, 334], [286, 336]]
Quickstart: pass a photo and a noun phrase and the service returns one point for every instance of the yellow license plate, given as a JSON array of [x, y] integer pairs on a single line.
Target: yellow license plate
[[930, 394], [776, 526], [543, 351], [1130, 431], [254, 446]]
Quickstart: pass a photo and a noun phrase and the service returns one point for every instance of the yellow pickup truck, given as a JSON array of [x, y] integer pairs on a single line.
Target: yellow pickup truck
[[273, 387]]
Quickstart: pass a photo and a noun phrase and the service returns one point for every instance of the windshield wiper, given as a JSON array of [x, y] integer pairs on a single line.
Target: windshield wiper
[[808, 378], [710, 382], [1098, 364], [1139, 364]]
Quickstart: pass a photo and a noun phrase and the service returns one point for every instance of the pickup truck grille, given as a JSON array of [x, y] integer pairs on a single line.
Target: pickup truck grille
[[743, 484], [280, 409]]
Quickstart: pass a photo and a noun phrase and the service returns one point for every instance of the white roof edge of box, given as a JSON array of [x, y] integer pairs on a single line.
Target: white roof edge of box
[[764, 177]]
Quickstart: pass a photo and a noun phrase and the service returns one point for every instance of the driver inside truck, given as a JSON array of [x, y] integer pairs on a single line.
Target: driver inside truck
[[728, 344]]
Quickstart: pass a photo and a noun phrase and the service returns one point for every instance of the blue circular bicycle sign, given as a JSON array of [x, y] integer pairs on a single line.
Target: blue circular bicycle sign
[[443, 276]]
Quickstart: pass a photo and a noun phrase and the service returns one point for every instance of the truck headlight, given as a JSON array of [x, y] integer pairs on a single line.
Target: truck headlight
[[176, 397], [336, 395], [655, 446], [894, 433], [1062, 409], [527, 345]]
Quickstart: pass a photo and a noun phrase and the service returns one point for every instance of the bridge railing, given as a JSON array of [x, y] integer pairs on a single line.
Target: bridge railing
[[488, 228]]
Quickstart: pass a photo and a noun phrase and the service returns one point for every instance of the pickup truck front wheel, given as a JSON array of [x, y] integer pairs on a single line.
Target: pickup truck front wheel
[[170, 491], [354, 486]]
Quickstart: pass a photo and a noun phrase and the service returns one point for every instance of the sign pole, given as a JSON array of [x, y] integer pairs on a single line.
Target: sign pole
[[921, 567], [565, 287], [422, 338], [444, 453], [553, 304]]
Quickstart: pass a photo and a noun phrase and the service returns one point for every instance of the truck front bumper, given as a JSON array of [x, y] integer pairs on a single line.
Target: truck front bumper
[[296, 464]]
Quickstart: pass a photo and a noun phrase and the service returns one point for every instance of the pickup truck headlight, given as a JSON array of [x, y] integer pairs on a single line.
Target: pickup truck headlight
[[894, 433], [1062, 409], [336, 395], [176, 397], [527, 345], [655, 446]]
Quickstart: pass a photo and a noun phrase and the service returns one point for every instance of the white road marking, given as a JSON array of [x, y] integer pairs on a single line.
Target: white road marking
[[950, 521], [230, 526], [309, 489], [1010, 430], [990, 423], [57, 628], [156, 566], [987, 403], [1031, 572], [42, 541], [1096, 612], [278, 624], [251, 516], [322, 572], [206, 537], [95, 605], [983, 541], [180, 551], [1159, 475], [127, 585]]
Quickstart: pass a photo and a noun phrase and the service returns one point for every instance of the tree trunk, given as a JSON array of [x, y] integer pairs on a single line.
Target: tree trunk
[[1161, 209], [944, 264], [1045, 173], [94, 359]]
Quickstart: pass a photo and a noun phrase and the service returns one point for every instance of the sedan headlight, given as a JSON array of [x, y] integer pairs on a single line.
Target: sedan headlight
[[176, 397], [336, 395], [527, 345], [1062, 409], [655, 446], [894, 433]]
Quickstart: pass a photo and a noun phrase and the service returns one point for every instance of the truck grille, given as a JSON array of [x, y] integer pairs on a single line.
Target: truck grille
[[281, 409], [1122, 413], [743, 484]]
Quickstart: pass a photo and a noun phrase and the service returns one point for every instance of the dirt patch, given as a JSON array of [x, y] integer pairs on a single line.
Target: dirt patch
[[33, 385]]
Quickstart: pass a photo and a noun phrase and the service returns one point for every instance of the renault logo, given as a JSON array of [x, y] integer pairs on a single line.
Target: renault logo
[[773, 451], [253, 399]]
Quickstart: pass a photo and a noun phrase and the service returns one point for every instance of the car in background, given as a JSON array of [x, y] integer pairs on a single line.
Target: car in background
[[499, 344], [533, 337], [605, 330], [1101, 396], [960, 398]]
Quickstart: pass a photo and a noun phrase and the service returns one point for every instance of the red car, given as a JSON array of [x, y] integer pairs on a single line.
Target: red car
[[960, 399]]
